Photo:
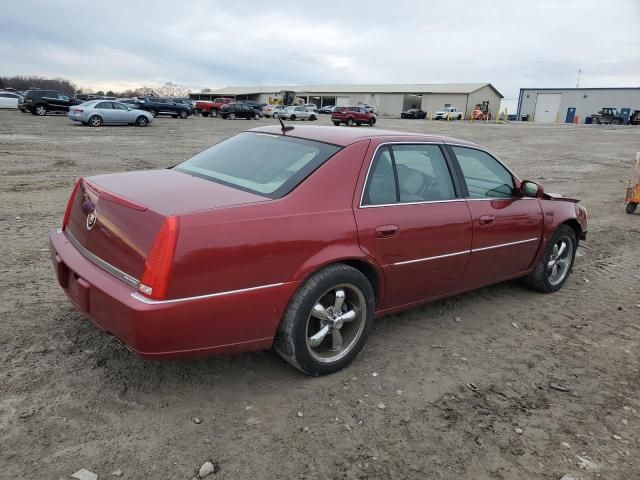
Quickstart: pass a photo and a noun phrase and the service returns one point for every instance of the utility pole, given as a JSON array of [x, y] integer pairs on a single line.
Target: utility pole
[[578, 82]]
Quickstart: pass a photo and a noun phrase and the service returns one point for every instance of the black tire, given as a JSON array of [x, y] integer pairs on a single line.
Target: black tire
[[631, 207], [595, 120], [231, 116], [291, 340], [95, 121], [214, 113], [183, 114], [372, 122], [358, 124], [337, 124], [205, 114], [539, 278], [256, 116], [459, 117], [275, 115], [153, 113], [292, 117], [142, 121], [40, 110], [349, 122], [615, 121], [312, 118]]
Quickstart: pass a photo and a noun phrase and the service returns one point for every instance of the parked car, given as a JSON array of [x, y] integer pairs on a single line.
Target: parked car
[[41, 102], [352, 115], [326, 109], [368, 108], [414, 113], [312, 107], [9, 100], [272, 111], [297, 113], [232, 111], [96, 113], [240, 248], [190, 104], [207, 108], [634, 118], [449, 113], [255, 105], [130, 102], [164, 106]]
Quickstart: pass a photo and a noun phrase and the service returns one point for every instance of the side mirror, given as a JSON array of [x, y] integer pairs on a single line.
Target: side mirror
[[531, 189]]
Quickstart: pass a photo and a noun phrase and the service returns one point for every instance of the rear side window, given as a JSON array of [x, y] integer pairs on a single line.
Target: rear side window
[[484, 175], [264, 164], [104, 106], [407, 174]]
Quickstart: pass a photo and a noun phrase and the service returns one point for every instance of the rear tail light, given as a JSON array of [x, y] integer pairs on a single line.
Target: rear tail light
[[67, 212], [157, 267]]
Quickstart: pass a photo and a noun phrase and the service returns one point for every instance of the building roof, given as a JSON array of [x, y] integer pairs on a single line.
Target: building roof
[[464, 88]]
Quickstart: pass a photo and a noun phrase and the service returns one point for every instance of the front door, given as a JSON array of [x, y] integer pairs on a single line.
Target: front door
[[507, 228], [412, 222]]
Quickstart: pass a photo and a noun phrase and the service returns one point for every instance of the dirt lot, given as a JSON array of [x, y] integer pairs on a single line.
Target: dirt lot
[[71, 397]]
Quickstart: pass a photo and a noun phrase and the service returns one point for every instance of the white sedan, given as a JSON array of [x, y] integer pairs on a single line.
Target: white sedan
[[297, 113], [9, 100]]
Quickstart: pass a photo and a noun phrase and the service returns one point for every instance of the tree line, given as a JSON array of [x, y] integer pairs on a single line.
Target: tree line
[[24, 82]]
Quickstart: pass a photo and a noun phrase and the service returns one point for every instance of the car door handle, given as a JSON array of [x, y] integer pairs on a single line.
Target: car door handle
[[486, 220], [387, 231]]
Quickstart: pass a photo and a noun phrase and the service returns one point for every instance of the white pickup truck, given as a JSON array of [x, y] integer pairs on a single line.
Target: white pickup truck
[[449, 113]]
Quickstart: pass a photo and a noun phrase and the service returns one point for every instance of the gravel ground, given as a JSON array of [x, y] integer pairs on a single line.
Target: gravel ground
[[428, 397]]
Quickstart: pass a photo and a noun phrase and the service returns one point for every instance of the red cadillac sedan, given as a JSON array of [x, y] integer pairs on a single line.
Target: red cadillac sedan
[[298, 238]]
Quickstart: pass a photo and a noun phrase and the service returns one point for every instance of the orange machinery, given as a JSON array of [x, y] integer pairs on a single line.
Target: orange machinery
[[633, 187]]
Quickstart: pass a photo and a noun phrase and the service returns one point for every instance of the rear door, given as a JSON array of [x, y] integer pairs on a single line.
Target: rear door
[[412, 221], [105, 110], [507, 228]]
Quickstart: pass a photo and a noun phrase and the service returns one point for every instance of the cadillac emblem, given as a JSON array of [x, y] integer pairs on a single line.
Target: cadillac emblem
[[92, 219]]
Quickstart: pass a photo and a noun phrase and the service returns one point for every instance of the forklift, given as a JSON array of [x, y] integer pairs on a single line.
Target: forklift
[[633, 187]]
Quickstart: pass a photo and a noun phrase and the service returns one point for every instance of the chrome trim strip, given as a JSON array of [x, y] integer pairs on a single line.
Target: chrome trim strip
[[106, 266], [426, 259], [412, 203], [149, 301], [505, 244]]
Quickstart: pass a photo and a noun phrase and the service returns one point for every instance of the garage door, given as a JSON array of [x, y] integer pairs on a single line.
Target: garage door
[[547, 107]]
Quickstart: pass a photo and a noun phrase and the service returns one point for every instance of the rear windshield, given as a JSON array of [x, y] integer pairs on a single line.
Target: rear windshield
[[261, 163]]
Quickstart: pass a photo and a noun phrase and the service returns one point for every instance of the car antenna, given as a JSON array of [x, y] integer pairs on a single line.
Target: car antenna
[[285, 128]]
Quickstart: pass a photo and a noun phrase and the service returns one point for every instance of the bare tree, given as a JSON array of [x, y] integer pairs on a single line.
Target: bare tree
[[172, 89]]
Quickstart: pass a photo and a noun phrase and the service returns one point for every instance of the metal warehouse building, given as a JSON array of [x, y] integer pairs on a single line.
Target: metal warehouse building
[[386, 99], [573, 105]]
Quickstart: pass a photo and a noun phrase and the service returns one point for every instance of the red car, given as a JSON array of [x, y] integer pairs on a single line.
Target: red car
[[207, 108], [352, 115], [297, 238]]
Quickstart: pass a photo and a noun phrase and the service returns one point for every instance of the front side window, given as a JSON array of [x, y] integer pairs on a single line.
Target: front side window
[[265, 164], [119, 106], [407, 174], [484, 175]]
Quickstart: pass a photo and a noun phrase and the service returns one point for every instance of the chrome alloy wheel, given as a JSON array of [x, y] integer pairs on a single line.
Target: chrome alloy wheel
[[560, 259], [335, 323]]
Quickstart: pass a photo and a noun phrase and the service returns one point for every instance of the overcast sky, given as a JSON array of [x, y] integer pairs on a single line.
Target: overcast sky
[[209, 44]]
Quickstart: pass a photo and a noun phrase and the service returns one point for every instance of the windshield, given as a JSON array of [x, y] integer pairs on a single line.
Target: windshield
[[265, 164]]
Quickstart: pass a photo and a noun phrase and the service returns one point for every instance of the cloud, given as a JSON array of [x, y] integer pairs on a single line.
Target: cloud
[[209, 44]]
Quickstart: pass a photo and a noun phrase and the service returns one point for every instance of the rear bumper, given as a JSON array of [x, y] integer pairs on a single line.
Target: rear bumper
[[227, 322]]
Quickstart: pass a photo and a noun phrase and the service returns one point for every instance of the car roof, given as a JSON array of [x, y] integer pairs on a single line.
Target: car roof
[[346, 136]]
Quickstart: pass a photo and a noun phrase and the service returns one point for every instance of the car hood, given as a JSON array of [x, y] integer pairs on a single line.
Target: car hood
[[558, 196]]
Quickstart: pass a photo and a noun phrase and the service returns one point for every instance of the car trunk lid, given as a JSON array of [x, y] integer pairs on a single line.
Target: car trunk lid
[[114, 219]]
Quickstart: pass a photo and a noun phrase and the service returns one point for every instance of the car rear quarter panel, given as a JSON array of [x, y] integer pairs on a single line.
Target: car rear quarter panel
[[280, 241]]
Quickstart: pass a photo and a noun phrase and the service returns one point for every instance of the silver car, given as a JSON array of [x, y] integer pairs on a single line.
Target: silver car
[[297, 113], [96, 113]]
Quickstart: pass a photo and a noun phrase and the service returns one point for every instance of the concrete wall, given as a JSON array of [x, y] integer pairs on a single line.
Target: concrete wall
[[585, 101], [390, 104], [432, 102], [482, 94]]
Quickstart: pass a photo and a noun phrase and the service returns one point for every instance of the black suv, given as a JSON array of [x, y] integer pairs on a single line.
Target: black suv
[[41, 102], [239, 110], [164, 106]]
